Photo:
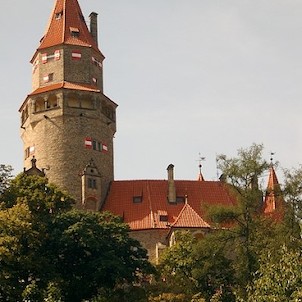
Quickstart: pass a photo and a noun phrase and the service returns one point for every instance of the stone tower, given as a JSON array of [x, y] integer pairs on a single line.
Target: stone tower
[[67, 122]]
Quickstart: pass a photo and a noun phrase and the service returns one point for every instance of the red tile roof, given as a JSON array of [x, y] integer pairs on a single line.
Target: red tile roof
[[273, 199], [188, 218], [66, 18], [147, 214], [66, 85]]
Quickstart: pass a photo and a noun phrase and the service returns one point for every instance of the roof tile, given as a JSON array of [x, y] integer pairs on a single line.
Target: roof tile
[[146, 215]]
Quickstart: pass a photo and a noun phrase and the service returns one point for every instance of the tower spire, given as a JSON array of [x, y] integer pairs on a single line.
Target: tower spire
[[200, 160], [67, 26], [273, 199]]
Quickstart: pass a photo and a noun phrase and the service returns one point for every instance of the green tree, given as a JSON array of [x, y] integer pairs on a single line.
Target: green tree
[[95, 250], [279, 278], [49, 252], [242, 173], [5, 177], [293, 197]]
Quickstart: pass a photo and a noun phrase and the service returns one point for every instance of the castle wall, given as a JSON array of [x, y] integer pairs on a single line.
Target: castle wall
[[153, 240]]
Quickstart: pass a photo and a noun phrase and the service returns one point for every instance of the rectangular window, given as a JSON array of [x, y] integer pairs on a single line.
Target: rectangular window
[[57, 55], [88, 143], [76, 55], [92, 183], [180, 199], [48, 78], [44, 58], [137, 199], [163, 218], [29, 151], [96, 62], [75, 32]]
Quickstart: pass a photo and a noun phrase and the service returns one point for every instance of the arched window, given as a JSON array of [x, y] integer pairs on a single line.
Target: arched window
[[52, 101], [39, 105], [73, 101]]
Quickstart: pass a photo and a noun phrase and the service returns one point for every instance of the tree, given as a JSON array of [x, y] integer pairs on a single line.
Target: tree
[[242, 172], [49, 252], [5, 177], [94, 250], [192, 267], [293, 197], [279, 278]]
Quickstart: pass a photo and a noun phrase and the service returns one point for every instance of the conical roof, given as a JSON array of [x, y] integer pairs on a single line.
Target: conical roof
[[273, 197], [273, 182], [67, 26]]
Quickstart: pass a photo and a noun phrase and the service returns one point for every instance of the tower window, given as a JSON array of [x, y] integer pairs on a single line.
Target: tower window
[[92, 183], [75, 32], [48, 78]]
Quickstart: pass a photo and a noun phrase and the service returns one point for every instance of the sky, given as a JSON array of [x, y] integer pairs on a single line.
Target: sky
[[192, 79]]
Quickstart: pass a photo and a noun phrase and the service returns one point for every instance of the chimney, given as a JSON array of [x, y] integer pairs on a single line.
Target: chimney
[[94, 26], [171, 184]]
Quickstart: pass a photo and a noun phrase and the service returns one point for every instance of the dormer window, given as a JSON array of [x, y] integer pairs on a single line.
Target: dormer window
[[180, 199], [137, 199], [75, 32], [163, 218], [59, 15]]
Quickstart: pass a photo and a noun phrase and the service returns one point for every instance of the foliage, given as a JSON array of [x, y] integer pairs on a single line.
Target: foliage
[[176, 265], [213, 270], [51, 253], [98, 242], [279, 278], [293, 196], [5, 177], [41, 197], [242, 172]]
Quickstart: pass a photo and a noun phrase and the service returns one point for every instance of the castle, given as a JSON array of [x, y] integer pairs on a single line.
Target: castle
[[68, 125]]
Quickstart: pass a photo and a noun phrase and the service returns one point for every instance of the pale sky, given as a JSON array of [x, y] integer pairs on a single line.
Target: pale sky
[[190, 77]]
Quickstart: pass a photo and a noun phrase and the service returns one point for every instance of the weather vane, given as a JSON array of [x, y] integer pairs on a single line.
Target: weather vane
[[200, 160], [272, 158]]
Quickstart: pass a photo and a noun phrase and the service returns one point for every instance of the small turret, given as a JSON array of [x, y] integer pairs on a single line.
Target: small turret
[[273, 198]]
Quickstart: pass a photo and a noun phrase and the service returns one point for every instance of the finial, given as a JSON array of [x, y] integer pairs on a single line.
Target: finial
[[200, 160], [272, 159]]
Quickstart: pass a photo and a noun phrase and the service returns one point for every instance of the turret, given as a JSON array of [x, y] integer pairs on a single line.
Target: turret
[[273, 201]]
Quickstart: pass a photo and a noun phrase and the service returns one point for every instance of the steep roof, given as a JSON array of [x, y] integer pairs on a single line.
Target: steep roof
[[188, 218], [143, 204], [273, 197], [65, 19]]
